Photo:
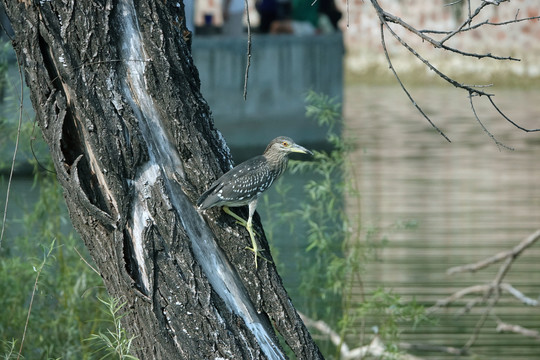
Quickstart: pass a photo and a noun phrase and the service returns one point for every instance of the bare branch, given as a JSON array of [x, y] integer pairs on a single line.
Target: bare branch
[[248, 55], [504, 327], [491, 291], [453, 3], [403, 87], [513, 253], [86, 262], [426, 62], [497, 142], [466, 22], [385, 18], [508, 119], [440, 44], [519, 295], [480, 289], [457, 295], [375, 348], [433, 348], [12, 169], [480, 24]]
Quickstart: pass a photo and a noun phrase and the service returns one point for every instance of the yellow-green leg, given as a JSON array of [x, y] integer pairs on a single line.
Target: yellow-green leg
[[241, 221], [249, 226]]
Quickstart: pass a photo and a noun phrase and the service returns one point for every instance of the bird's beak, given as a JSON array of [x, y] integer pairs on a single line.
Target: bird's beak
[[300, 149]]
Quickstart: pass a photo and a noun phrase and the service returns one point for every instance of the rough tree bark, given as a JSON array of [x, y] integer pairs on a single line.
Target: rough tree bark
[[117, 98]]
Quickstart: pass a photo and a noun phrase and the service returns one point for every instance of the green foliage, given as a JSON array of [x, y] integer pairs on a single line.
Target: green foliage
[[387, 311], [49, 296], [338, 247], [7, 350], [64, 306], [114, 344], [61, 289]]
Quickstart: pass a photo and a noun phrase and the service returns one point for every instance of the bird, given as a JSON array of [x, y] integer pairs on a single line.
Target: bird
[[243, 184]]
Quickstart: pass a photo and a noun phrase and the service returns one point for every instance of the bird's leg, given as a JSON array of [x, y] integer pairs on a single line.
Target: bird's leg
[[238, 219], [255, 248], [241, 221], [249, 226]]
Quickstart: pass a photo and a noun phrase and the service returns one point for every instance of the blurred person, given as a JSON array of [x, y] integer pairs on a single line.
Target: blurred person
[[275, 16], [233, 12], [329, 10], [315, 17], [306, 12]]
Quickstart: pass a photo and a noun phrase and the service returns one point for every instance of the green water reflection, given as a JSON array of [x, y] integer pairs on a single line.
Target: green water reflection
[[469, 199]]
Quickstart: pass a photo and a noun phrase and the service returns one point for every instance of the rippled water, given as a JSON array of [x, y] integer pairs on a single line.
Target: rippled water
[[469, 200]]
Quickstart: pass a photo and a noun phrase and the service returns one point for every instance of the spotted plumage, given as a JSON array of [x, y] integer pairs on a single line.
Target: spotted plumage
[[243, 184]]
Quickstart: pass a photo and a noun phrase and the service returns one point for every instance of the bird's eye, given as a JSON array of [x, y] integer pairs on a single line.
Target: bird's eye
[[285, 143]]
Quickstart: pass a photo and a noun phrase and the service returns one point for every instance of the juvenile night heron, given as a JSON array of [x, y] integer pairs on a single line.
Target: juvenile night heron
[[243, 184]]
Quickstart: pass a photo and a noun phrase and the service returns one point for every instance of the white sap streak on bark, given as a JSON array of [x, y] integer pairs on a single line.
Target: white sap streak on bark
[[144, 181]]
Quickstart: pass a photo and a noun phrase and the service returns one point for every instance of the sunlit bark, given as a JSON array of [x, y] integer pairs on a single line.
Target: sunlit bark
[[117, 98]]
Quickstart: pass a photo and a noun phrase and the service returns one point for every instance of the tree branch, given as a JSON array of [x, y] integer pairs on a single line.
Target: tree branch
[[505, 327], [492, 290], [385, 18], [497, 142], [248, 54], [513, 253], [375, 349], [403, 86]]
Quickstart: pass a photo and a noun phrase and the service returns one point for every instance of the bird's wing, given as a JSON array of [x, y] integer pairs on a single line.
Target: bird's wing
[[239, 185]]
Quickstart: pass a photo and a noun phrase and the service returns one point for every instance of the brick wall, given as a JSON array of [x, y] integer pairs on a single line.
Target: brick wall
[[521, 40], [362, 35]]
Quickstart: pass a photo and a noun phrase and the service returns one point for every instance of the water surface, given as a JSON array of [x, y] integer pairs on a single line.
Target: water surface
[[470, 199]]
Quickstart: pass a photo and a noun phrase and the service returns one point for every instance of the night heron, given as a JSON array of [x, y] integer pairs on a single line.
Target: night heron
[[243, 184]]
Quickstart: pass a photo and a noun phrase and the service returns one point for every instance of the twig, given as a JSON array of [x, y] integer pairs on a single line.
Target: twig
[[475, 289], [480, 24], [375, 348], [40, 268], [348, 15], [470, 304], [21, 101], [248, 55], [431, 67], [467, 21], [385, 18], [519, 295], [508, 119], [86, 262], [482, 320], [497, 142], [453, 3], [493, 288], [440, 44], [515, 252], [433, 348], [492, 291], [403, 87], [517, 329], [456, 296]]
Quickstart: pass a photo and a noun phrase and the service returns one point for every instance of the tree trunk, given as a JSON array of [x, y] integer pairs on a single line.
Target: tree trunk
[[117, 98]]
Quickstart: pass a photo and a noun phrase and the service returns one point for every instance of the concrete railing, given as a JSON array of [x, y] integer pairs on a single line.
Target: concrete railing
[[283, 68]]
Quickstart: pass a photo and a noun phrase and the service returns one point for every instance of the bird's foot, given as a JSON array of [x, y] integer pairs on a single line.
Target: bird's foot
[[257, 253], [238, 219], [254, 247], [245, 225]]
